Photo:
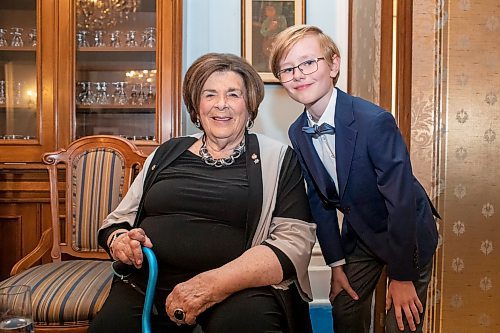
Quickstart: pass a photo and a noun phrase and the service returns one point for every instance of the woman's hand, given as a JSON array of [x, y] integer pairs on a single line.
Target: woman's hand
[[256, 267], [193, 297], [127, 247]]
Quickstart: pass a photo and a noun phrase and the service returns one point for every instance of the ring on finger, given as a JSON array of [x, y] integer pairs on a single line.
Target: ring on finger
[[179, 314]]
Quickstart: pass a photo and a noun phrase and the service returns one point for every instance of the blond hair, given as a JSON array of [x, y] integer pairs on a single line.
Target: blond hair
[[286, 39]]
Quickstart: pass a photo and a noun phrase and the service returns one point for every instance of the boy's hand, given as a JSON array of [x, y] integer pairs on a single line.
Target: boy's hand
[[403, 296], [340, 282]]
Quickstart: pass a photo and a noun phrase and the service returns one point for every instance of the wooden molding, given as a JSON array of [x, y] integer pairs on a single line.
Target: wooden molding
[[403, 68], [386, 61]]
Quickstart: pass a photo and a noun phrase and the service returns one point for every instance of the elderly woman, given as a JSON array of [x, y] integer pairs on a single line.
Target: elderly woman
[[226, 213]]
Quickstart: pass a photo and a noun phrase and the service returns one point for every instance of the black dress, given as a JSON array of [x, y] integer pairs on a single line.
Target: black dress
[[195, 216], [189, 209]]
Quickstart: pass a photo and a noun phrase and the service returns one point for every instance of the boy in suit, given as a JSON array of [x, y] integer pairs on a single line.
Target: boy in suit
[[355, 160]]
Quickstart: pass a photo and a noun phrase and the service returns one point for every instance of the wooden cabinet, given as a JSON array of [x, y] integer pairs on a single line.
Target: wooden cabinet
[[78, 71], [27, 72], [104, 55], [44, 80]]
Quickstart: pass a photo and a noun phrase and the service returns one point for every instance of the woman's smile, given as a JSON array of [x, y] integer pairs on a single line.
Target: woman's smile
[[223, 109]]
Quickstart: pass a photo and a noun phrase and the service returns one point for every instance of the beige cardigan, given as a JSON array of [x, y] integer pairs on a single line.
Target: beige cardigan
[[293, 237]]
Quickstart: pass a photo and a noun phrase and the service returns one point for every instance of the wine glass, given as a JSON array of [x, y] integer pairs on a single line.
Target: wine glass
[[115, 39], [119, 96], [32, 36], [18, 93], [149, 37], [3, 96], [102, 96], [141, 97], [131, 39], [99, 38], [3, 40], [15, 309], [133, 95], [150, 96], [81, 38], [86, 96], [17, 39]]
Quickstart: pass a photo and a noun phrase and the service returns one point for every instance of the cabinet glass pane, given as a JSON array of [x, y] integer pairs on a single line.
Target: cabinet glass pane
[[116, 68], [18, 77]]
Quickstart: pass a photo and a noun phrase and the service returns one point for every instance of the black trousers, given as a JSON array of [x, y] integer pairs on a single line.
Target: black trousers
[[252, 310], [363, 271]]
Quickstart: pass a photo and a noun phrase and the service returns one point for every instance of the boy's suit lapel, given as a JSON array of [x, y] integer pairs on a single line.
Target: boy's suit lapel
[[316, 169], [345, 138]]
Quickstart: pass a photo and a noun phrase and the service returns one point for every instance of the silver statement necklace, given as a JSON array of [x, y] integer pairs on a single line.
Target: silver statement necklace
[[221, 162]]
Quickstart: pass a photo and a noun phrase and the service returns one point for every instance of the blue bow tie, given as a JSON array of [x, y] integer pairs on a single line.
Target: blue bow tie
[[319, 130]]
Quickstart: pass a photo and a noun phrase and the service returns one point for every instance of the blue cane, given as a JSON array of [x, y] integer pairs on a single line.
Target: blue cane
[[150, 289]]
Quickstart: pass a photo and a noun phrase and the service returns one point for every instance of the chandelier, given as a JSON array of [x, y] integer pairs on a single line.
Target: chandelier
[[101, 14]]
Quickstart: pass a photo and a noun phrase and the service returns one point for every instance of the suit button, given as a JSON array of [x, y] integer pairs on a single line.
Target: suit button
[[347, 210]]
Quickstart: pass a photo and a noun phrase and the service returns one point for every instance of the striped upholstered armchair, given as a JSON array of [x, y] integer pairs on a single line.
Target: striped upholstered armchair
[[69, 291]]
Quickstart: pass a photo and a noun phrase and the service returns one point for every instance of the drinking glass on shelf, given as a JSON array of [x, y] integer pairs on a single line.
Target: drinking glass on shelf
[[3, 41], [133, 95], [32, 36], [150, 96], [131, 39], [141, 97], [81, 38], [119, 96], [149, 37], [15, 309], [102, 96], [17, 39], [3, 97], [18, 94], [99, 38], [86, 96], [115, 38]]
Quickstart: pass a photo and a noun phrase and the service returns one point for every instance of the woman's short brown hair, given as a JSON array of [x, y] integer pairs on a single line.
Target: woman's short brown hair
[[286, 39], [199, 72]]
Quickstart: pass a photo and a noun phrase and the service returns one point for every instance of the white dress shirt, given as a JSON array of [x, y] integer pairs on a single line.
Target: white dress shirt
[[325, 147], [325, 144]]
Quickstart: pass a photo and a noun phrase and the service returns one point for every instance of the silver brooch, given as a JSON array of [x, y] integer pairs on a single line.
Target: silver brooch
[[255, 159]]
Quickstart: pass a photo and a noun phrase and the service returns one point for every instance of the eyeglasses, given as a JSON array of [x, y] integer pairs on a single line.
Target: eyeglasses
[[307, 67]]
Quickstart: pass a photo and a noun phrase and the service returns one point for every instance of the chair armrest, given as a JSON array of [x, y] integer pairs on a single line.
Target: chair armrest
[[44, 246]]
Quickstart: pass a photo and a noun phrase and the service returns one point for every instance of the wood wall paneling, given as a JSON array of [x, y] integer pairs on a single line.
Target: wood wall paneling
[[24, 211], [11, 244]]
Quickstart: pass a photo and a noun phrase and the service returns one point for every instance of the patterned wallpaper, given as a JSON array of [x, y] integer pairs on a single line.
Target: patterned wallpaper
[[365, 48], [456, 154]]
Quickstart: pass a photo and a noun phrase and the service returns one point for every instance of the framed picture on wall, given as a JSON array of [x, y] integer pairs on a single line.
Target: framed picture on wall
[[262, 21]]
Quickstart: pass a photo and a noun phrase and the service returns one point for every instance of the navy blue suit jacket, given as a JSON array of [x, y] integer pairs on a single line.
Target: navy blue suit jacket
[[383, 203]]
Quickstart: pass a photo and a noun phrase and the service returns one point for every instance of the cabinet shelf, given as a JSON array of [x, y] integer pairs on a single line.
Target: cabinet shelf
[[91, 49], [18, 48], [115, 109], [115, 106], [18, 107], [9, 138]]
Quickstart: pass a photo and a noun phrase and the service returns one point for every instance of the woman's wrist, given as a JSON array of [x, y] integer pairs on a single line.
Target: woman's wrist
[[112, 238]]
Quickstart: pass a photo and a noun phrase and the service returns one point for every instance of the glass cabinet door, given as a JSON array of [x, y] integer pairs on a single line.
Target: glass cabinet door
[[18, 71], [115, 81]]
